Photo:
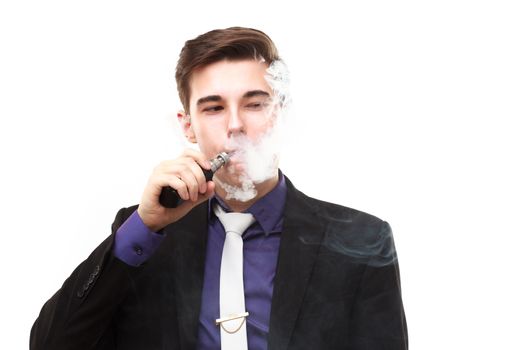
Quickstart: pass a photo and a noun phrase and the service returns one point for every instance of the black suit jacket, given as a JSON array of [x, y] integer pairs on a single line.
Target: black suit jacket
[[336, 287]]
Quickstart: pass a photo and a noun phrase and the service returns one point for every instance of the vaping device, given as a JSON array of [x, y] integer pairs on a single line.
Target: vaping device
[[170, 198]]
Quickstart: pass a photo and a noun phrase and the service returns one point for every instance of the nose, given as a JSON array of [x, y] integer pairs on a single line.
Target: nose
[[235, 124]]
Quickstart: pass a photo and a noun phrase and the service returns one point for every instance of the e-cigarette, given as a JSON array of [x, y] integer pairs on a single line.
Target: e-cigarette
[[170, 198]]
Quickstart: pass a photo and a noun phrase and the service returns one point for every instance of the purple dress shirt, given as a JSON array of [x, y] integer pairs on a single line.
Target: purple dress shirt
[[135, 243]]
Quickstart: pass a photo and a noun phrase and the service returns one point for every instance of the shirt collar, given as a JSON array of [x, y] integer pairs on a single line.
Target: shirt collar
[[268, 210]]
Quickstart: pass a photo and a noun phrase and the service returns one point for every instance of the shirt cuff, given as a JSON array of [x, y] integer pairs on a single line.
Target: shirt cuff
[[135, 242]]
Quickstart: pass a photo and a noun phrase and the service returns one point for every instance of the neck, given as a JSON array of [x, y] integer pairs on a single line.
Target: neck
[[239, 206]]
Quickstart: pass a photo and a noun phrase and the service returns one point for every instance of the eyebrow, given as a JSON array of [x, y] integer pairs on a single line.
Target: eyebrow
[[254, 93], [211, 98], [217, 98]]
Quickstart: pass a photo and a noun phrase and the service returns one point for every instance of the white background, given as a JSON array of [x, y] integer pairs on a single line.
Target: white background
[[409, 110]]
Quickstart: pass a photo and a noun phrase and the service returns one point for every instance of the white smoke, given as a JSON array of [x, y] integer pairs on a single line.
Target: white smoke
[[260, 158], [278, 77]]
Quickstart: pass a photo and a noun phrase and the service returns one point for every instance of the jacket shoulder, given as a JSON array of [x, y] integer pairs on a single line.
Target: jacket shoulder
[[358, 235], [340, 213]]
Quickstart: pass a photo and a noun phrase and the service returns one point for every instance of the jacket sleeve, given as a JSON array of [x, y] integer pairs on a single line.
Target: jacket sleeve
[[378, 317], [80, 313]]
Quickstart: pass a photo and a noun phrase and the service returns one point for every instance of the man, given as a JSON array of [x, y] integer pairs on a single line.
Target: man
[[314, 275]]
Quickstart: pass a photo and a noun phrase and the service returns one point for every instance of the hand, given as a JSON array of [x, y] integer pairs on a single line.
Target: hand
[[186, 177]]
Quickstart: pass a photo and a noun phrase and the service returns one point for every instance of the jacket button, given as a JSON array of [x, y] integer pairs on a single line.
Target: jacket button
[[138, 250]]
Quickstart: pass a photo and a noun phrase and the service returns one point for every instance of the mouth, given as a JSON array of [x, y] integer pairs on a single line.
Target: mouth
[[230, 152], [236, 162], [233, 155]]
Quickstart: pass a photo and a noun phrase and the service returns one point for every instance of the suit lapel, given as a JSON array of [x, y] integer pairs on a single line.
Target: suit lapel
[[303, 231], [188, 238]]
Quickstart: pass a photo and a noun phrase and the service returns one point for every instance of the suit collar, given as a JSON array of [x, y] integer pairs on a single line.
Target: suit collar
[[303, 231]]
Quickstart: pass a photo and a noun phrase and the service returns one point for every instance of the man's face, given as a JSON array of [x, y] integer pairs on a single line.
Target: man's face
[[231, 109]]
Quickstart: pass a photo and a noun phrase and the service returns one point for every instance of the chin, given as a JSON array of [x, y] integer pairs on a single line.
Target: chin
[[231, 177]]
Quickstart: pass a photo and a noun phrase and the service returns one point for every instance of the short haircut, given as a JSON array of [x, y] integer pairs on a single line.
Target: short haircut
[[235, 43]]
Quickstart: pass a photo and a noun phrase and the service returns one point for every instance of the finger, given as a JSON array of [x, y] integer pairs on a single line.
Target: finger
[[178, 185], [188, 177], [199, 157], [199, 175], [210, 190], [195, 168], [186, 206], [188, 171]]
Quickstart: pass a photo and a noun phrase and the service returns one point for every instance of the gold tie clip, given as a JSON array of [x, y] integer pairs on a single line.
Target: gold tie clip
[[232, 317]]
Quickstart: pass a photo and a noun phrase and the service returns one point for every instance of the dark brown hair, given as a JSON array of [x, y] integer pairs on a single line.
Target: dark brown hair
[[236, 43]]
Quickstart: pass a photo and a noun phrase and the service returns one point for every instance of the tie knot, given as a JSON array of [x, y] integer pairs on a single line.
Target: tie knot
[[234, 222]]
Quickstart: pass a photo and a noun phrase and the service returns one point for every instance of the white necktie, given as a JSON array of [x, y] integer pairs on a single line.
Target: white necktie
[[233, 312]]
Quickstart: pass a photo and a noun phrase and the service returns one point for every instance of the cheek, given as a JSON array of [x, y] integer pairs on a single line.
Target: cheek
[[210, 140], [261, 125]]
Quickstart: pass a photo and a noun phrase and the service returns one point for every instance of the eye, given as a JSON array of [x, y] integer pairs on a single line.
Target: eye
[[255, 106], [213, 109]]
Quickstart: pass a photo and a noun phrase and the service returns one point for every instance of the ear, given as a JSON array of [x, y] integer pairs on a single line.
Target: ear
[[185, 124]]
